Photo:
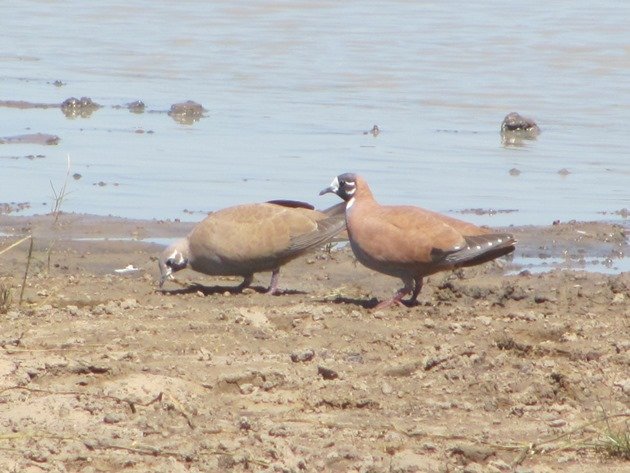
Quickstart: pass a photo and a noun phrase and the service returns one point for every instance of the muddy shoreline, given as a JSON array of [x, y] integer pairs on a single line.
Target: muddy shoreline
[[101, 371], [568, 245]]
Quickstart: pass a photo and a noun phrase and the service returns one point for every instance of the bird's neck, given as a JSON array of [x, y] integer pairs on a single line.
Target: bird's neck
[[363, 195]]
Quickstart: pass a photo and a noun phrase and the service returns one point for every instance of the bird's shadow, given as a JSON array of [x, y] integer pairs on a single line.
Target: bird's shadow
[[364, 303], [367, 303], [213, 290]]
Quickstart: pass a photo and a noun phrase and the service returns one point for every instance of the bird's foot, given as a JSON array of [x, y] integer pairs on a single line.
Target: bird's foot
[[397, 300], [272, 291], [410, 303], [389, 303]]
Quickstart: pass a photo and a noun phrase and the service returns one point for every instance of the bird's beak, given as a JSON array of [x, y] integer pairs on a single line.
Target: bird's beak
[[327, 190], [165, 273], [332, 188]]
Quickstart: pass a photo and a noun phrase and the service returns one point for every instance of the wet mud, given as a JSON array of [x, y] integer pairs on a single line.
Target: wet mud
[[101, 371], [31, 138], [186, 113]]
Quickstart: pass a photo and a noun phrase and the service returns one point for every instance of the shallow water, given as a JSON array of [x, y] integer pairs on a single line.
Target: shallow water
[[290, 87]]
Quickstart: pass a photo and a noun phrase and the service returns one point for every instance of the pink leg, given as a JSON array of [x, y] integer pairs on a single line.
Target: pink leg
[[397, 299], [273, 285]]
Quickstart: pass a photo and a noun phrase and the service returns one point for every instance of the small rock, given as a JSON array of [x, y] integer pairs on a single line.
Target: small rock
[[429, 447], [456, 327], [226, 462], [444, 405], [624, 384], [485, 320], [44, 309], [98, 310], [541, 298], [113, 418], [36, 456], [515, 293], [407, 461], [556, 424], [129, 304], [204, 355], [474, 453], [527, 316], [500, 465], [244, 424], [404, 370], [111, 308], [304, 355], [246, 388], [474, 468], [566, 458], [327, 373], [73, 310], [619, 298], [386, 388], [279, 431]]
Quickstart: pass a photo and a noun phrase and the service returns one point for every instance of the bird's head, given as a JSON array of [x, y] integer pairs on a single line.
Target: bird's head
[[173, 259], [344, 185]]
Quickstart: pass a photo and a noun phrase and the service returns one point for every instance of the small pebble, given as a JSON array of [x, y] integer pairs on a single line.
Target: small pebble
[[556, 424], [113, 418], [327, 373], [304, 355]]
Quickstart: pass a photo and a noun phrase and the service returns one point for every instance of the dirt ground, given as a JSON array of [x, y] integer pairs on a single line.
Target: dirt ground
[[102, 372]]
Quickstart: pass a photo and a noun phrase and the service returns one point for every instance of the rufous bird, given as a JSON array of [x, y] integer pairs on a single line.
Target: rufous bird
[[410, 242]]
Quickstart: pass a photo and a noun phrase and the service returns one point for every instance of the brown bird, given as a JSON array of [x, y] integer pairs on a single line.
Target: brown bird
[[409, 242], [247, 239]]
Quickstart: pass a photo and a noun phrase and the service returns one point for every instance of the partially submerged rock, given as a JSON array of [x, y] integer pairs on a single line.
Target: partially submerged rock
[[83, 107], [516, 122], [515, 128], [136, 107], [187, 112]]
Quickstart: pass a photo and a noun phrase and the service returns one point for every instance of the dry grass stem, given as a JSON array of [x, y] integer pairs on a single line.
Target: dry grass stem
[[60, 196], [28, 264]]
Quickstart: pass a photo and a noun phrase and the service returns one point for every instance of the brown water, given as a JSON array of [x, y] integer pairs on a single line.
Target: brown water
[[290, 89]]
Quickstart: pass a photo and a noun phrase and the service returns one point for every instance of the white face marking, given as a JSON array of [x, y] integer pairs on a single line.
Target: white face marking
[[350, 203], [335, 184], [351, 192], [500, 240], [489, 243], [178, 257]]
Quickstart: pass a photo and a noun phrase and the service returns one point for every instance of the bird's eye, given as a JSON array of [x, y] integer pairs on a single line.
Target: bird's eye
[[342, 183]]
